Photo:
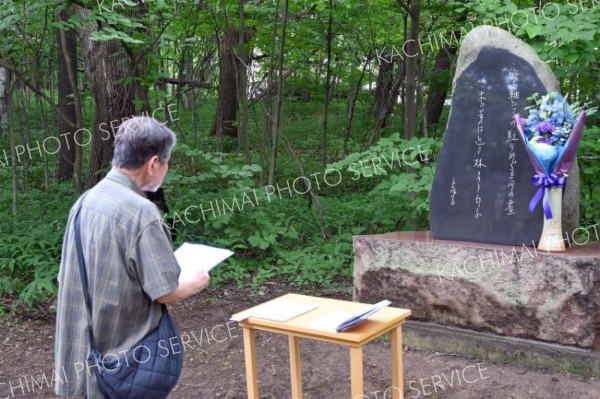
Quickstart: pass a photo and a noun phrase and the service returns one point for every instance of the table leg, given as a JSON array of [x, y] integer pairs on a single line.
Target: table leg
[[251, 368], [356, 372], [397, 368], [295, 367]]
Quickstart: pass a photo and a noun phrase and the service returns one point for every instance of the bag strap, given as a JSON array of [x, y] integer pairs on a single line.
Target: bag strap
[[82, 272]]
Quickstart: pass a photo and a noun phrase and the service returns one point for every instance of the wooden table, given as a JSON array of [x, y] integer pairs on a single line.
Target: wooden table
[[386, 320]]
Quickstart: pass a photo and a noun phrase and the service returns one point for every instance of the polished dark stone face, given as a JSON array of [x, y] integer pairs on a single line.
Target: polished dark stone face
[[482, 184]]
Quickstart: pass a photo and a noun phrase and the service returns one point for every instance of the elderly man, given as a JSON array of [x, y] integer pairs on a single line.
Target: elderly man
[[129, 259]]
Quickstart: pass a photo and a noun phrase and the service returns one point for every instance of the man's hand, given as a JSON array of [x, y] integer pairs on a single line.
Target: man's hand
[[196, 283]]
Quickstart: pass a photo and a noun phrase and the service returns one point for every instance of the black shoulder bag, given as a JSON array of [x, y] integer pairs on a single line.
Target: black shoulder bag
[[150, 369]]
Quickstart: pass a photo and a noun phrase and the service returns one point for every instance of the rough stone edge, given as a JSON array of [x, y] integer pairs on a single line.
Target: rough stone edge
[[500, 349], [499, 38]]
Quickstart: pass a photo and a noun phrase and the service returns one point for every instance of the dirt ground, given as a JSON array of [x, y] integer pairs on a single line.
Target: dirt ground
[[214, 361]]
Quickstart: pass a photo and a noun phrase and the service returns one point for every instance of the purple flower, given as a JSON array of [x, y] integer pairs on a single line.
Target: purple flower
[[546, 140], [545, 127]]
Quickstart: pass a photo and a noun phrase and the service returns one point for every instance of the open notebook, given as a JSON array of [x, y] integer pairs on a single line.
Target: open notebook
[[342, 321]]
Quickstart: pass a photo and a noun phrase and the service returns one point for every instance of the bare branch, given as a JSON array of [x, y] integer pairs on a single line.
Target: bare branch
[[405, 7], [192, 83]]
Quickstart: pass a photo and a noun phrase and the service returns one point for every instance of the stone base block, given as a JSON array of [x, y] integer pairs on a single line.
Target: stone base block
[[499, 349], [512, 291]]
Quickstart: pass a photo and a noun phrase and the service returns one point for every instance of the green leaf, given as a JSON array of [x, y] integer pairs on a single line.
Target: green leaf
[[587, 35], [255, 168], [533, 30], [358, 230], [571, 57], [49, 286], [255, 241]]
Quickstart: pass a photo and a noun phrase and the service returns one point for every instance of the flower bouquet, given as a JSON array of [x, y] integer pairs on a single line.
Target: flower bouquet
[[551, 134]]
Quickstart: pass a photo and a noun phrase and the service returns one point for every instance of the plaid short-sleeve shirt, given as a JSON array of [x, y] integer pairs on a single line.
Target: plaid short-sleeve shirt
[[129, 262]]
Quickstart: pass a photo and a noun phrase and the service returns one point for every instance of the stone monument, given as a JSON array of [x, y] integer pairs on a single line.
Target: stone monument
[[476, 276], [482, 184]]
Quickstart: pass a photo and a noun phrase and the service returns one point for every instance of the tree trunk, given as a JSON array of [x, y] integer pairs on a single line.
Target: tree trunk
[[3, 101], [268, 100], [402, 92], [383, 88], [225, 123], [46, 132], [9, 87], [26, 137], [186, 73], [243, 57], [140, 71], [279, 103], [139, 60], [352, 98], [66, 160], [327, 86], [438, 89], [106, 67], [390, 83], [412, 51]]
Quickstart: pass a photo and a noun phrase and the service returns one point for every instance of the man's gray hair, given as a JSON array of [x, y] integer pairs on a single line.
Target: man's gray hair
[[140, 138]]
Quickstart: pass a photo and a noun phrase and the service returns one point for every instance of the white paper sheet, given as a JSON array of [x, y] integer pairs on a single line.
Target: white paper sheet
[[281, 311], [192, 257]]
